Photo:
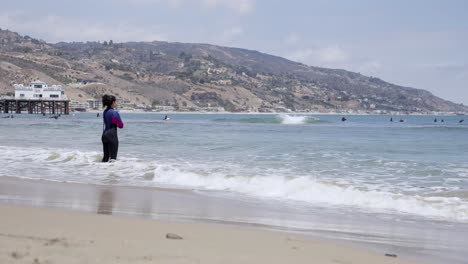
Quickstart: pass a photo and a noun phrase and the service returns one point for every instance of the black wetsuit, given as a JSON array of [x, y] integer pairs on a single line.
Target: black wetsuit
[[110, 141]]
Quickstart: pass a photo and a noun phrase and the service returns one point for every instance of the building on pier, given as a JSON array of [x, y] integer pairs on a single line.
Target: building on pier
[[39, 90]]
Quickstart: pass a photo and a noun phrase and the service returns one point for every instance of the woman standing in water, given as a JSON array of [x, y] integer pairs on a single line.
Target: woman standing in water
[[112, 120]]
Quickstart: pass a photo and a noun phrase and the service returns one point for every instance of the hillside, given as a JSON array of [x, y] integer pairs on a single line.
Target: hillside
[[190, 76]]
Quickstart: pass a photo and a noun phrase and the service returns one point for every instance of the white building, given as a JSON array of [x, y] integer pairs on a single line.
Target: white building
[[39, 90], [94, 103]]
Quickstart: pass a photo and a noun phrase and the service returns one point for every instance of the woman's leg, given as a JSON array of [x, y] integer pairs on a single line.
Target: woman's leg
[[114, 148], [105, 148]]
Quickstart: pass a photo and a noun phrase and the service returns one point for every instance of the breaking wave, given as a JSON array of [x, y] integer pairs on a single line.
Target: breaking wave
[[85, 167]]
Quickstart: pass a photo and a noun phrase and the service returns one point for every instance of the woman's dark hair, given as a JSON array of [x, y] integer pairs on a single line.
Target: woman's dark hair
[[107, 100]]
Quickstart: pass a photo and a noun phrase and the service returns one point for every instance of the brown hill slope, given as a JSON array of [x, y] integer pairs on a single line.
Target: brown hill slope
[[200, 75]]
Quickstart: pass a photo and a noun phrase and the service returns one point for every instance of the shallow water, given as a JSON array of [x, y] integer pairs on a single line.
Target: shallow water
[[367, 167]]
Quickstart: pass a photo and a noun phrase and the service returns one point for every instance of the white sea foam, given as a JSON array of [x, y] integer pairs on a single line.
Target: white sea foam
[[308, 189], [292, 120], [79, 166]]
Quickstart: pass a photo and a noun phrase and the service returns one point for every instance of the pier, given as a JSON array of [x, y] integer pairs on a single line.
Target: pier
[[35, 106]]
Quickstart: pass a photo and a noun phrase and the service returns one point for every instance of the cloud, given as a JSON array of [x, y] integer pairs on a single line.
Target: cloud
[[323, 56], [242, 7], [67, 29]]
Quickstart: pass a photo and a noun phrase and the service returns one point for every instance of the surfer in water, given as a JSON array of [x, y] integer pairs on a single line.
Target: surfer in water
[[112, 120], [343, 119], [166, 118]]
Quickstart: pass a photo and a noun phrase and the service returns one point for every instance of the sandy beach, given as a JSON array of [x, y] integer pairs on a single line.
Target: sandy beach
[[51, 222], [40, 235]]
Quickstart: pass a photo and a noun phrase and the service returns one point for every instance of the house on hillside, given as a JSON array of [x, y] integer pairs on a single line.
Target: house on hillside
[[39, 90]]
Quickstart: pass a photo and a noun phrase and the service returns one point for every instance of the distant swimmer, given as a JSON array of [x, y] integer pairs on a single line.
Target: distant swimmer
[[442, 121], [391, 119], [435, 120], [343, 119], [461, 121], [97, 115], [166, 118], [402, 120]]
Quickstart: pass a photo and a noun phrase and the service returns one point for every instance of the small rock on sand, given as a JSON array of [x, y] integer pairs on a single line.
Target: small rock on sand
[[173, 236], [18, 255]]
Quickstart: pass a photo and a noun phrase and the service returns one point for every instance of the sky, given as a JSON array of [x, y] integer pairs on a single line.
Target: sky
[[415, 43]]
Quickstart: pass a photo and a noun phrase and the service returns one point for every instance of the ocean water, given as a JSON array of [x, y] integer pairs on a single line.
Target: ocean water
[[415, 170]]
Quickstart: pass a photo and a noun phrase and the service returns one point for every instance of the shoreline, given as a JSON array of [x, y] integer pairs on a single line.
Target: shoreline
[[39, 235], [73, 215]]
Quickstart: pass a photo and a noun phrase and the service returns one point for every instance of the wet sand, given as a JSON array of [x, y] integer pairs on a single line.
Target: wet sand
[[44, 222]]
